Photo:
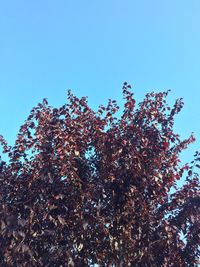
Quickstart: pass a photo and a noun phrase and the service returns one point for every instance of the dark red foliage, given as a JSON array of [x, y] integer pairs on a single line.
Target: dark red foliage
[[83, 187]]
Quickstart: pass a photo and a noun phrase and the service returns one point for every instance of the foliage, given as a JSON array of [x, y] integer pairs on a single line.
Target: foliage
[[83, 187]]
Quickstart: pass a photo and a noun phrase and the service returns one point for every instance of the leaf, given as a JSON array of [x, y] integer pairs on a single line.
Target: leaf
[[22, 234], [77, 153], [52, 207], [80, 247], [24, 248], [22, 222], [165, 144], [3, 225], [116, 246], [61, 220], [60, 196], [45, 102]]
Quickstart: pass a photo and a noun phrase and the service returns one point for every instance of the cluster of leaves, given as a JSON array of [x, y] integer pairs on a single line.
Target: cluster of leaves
[[84, 188]]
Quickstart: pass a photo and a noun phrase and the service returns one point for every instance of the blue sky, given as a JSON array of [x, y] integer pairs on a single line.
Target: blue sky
[[92, 47]]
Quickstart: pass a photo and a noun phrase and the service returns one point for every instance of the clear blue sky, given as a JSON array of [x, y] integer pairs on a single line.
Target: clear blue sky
[[92, 47]]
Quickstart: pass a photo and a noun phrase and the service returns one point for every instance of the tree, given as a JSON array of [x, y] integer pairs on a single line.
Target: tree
[[83, 187]]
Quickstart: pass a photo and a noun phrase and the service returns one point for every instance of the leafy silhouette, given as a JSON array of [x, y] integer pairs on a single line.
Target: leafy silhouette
[[84, 187]]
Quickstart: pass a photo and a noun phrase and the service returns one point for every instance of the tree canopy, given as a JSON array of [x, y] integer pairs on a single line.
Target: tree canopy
[[84, 187]]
